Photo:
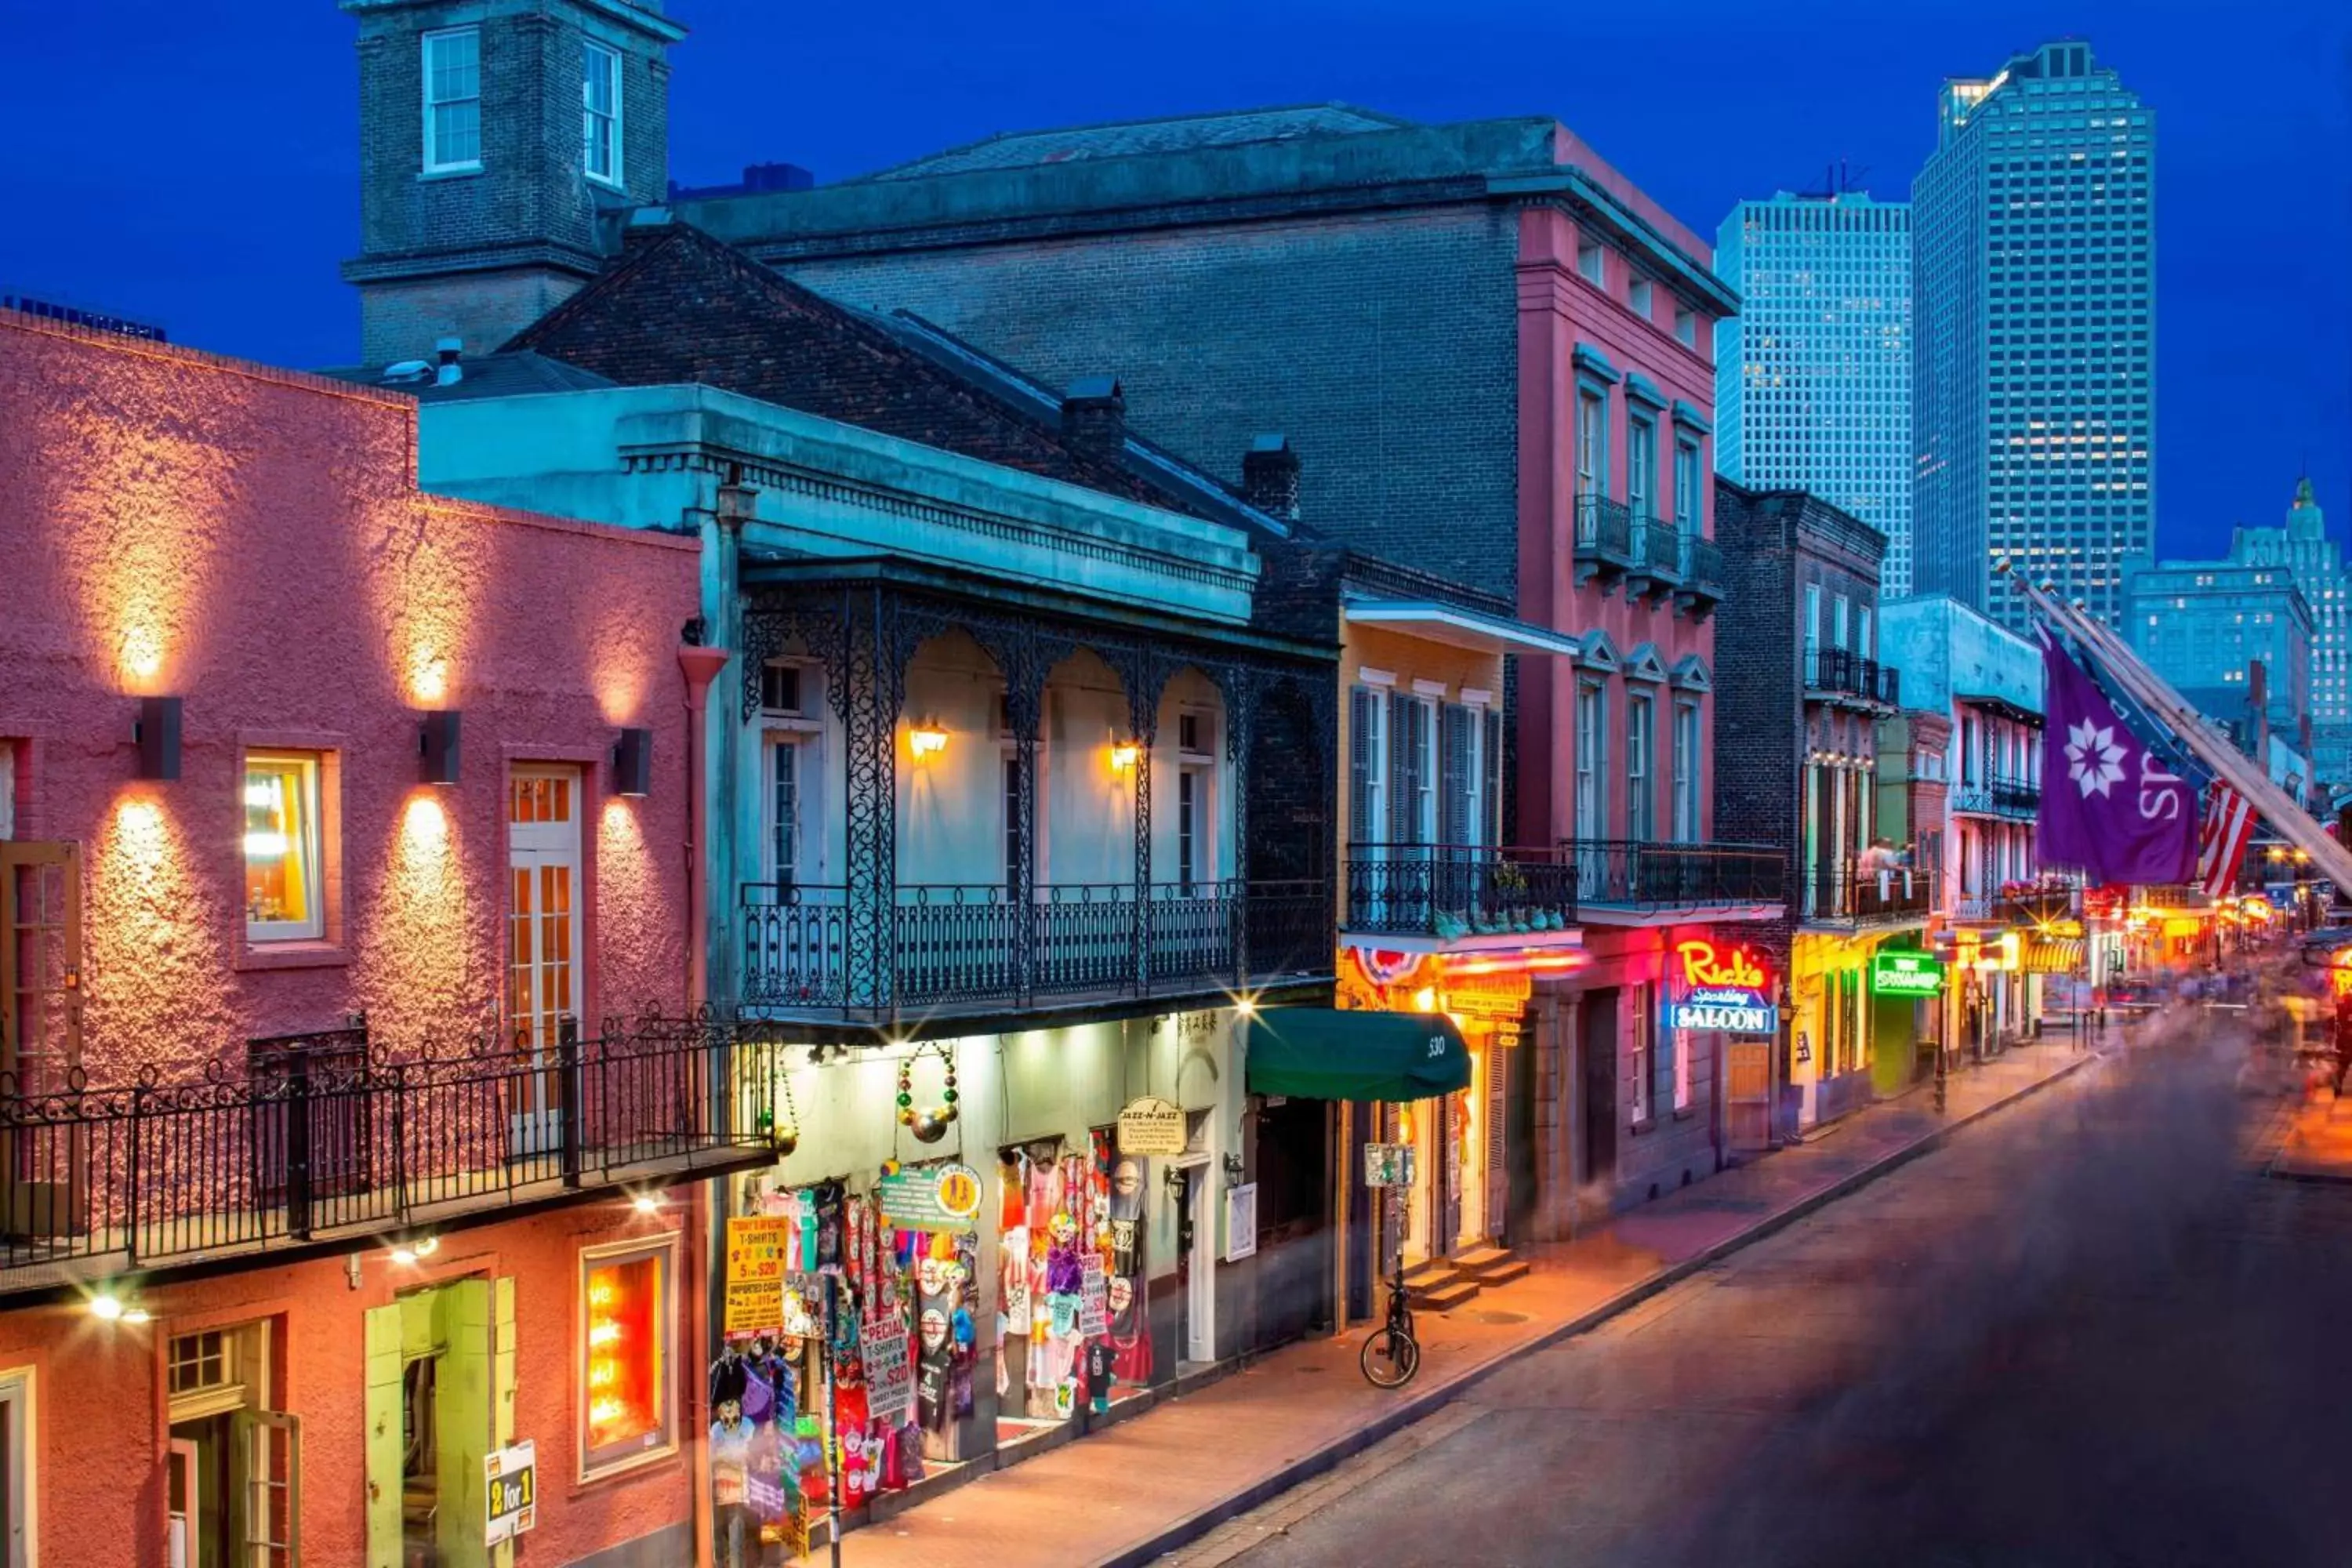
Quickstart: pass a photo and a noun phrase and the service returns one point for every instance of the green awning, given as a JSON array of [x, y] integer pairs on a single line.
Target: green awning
[[1322, 1053]]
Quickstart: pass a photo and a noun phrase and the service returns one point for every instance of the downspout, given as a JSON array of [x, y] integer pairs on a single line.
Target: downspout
[[700, 666]]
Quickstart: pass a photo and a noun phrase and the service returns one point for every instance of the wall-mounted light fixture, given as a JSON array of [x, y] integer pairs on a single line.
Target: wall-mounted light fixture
[[409, 1251], [926, 740], [633, 763], [112, 1307], [157, 730], [436, 742], [1124, 755]]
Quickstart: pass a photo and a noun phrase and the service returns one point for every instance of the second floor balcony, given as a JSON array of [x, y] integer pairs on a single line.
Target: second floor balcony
[[1850, 895], [1604, 540], [1656, 556], [2013, 799], [1647, 882], [1841, 675], [1456, 892], [1700, 586]]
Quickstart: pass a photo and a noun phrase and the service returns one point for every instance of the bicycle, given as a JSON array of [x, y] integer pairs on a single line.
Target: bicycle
[[1391, 1355]]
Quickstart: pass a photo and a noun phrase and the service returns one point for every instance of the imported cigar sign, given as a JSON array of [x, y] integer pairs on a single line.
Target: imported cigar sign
[[1726, 989]]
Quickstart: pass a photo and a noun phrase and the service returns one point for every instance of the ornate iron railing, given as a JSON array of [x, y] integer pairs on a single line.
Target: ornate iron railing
[[978, 944], [2018, 798], [1604, 531], [1646, 874], [1456, 889], [1848, 893], [1701, 564], [325, 1138], [1657, 548], [1845, 673]]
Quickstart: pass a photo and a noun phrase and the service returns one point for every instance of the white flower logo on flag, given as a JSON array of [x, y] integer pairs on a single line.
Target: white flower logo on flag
[[2095, 761]]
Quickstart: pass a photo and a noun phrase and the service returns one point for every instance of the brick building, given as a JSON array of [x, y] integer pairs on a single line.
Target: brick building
[[1799, 715]]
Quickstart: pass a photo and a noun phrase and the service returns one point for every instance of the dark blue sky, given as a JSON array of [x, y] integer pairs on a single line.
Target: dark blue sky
[[194, 162]]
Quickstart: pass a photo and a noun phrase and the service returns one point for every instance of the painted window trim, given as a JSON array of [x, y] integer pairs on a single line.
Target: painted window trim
[[315, 938], [1590, 361], [618, 178], [1640, 388], [432, 163], [665, 1317], [1690, 418]]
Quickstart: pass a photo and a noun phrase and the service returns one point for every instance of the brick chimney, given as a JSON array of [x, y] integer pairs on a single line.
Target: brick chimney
[[1093, 418], [1270, 477]]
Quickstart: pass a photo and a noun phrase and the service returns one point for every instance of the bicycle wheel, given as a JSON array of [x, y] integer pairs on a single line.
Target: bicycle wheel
[[1389, 1358]]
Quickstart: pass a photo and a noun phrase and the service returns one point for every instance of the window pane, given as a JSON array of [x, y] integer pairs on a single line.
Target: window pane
[[626, 1412], [281, 847]]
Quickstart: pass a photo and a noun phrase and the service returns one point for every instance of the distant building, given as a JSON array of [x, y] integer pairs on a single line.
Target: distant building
[[2317, 563], [2232, 638], [1812, 378], [2034, 409]]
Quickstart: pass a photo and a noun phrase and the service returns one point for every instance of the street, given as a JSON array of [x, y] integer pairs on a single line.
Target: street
[[2085, 1332]]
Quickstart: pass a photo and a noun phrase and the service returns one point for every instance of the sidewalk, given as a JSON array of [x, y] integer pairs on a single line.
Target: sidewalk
[[2318, 1142], [1153, 1483]]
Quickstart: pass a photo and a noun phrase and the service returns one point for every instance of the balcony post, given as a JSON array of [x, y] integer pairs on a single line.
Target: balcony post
[[131, 1213], [298, 1143], [867, 684], [574, 1116], [1024, 707], [1145, 675], [1241, 734]]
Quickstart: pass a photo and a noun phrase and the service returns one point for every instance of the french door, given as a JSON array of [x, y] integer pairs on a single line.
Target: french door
[[544, 944]]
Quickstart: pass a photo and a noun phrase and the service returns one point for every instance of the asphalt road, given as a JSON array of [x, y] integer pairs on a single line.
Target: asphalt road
[[2085, 1332]]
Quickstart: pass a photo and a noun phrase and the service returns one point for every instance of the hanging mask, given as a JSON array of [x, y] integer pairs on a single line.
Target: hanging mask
[[934, 1328], [1122, 1292], [1064, 1227], [932, 1275]]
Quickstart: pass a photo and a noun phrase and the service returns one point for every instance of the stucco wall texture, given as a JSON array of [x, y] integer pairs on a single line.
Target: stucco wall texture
[[251, 540]]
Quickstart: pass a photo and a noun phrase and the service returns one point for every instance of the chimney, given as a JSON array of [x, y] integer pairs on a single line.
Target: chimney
[[1093, 418], [447, 371], [1270, 477]]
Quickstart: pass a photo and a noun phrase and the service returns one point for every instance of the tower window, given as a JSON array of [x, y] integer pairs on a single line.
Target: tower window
[[453, 100], [600, 113]]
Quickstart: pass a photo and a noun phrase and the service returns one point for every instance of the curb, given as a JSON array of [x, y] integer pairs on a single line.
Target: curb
[[1193, 1527]]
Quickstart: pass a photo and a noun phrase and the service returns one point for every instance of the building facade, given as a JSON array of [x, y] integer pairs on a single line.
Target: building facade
[[2034, 402], [1493, 353], [1800, 714], [326, 1182], [2317, 563], [1812, 377], [2234, 640]]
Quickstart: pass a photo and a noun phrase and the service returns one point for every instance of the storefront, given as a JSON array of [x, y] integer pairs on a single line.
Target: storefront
[[969, 1244], [1829, 1043], [1906, 989]]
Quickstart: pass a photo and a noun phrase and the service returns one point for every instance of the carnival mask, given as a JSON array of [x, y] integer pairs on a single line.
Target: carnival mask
[[1064, 1227], [932, 1275], [934, 1328]]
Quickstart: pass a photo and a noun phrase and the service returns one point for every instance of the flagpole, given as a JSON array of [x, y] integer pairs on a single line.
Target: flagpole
[[2288, 818]]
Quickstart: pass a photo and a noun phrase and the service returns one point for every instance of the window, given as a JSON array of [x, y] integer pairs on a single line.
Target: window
[[1639, 298], [783, 835], [543, 926], [1686, 487], [1839, 611], [453, 100], [1012, 799], [600, 113], [1641, 741], [1192, 828], [284, 885], [1588, 262], [1645, 1052], [1682, 1047], [1812, 620], [1590, 433], [201, 1363], [1640, 465], [1686, 328], [17, 1445], [1685, 766], [627, 1307], [779, 690], [1862, 644], [1592, 743], [1368, 767]]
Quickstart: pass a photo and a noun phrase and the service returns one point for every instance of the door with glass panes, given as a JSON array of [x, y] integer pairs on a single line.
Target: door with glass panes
[[543, 943]]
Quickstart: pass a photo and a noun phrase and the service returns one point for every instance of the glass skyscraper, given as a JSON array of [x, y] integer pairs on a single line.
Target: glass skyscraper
[[2034, 402], [1812, 378], [2317, 563]]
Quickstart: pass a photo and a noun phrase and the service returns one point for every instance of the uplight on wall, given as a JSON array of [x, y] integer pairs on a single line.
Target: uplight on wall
[[437, 744], [1124, 755], [926, 740], [157, 730], [633, 763]]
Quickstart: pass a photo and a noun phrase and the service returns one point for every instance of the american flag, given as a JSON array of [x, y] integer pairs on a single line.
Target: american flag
[[2225, 825]]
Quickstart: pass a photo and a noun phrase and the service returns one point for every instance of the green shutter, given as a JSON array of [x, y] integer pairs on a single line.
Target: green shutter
[[382, 1413], [462, 1402], [502, 1386]]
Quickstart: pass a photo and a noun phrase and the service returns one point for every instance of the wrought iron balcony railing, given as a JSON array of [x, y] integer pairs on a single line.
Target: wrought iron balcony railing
[[324, 1140], [1451, 890], [1841, 672], [1853, 895], [1656, 552], [1647, 875], [2015, 798], [978, 945], [1604, 538]]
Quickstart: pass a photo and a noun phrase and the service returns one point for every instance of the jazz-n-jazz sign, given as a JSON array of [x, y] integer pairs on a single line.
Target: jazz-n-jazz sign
[[1727, 990]]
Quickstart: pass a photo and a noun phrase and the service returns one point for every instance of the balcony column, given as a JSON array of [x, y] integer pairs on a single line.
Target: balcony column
[[867, 684], [1024, 707], [1145, 675], [1240, 735]]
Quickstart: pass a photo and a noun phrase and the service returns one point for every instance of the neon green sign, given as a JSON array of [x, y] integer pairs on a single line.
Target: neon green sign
[[1906, 973]]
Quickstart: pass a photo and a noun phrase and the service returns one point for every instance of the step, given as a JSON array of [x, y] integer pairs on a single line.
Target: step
[[1491, 1266], [1443, 1297], [1437, 1271]]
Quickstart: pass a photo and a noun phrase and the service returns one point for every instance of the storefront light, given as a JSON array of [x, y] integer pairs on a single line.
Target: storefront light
[[1425, 999], [926, 740], [1125, 754]]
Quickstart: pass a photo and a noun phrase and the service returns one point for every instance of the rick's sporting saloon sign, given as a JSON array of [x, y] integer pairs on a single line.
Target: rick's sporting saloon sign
[[1724, 989]]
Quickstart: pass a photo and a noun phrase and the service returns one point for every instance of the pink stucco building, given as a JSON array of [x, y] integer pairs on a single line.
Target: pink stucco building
[[324, 805]]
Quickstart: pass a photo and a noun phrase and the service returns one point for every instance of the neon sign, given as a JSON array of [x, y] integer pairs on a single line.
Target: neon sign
[[1722, 991], [1902, 973]]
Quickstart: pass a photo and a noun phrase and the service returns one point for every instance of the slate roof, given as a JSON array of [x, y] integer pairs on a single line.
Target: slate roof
[[485, 375], [680, 306], [1234, 127]]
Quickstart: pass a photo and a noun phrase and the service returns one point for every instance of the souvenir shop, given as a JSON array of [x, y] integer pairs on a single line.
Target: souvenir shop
[[961, 1249]]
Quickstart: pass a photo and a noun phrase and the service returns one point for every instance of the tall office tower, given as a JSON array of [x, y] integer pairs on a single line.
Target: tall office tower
[[2034, 401], [1812, 378], [2301, 545]]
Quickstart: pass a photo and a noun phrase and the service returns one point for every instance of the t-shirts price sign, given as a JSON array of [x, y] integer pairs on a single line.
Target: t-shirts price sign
[[884, 1343], [756, 1250], [1094, 1296]]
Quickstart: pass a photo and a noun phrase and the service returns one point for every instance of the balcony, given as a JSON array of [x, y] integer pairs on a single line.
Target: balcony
[[951, 950], [1657, 556], [1452, 892], [322, 1143], [1701, 571], [1846, 896], [1604, 540], [1647, 882], [2011, 799], [1841, 675]]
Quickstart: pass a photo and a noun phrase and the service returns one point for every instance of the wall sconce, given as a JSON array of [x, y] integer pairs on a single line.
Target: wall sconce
[[926, 740], [157, 731], [633, 763], [1124, 755], [1425, 999], [410, 1251], [437, 744], [109, 1307]]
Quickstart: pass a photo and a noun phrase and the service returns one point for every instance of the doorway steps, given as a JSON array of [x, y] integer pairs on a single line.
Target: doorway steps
[[1438, 1286], [1491, 1266]]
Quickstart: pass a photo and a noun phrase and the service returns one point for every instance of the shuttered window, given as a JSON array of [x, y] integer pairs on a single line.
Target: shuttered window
[[1458, 796]]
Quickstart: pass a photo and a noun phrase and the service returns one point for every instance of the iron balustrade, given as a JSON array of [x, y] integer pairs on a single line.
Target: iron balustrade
[[978, 944], [1651, 873], [1457, 889], [1851, 893], [1702, 562], [1843, 672], [1657, 548], [1604, 531], [333, 1142], [2016, 798]]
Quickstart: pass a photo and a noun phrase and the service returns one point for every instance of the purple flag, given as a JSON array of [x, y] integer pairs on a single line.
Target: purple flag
[[2110, 805]]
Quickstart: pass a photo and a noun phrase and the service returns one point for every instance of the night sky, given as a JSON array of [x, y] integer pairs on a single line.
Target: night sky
[[195, 163]]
